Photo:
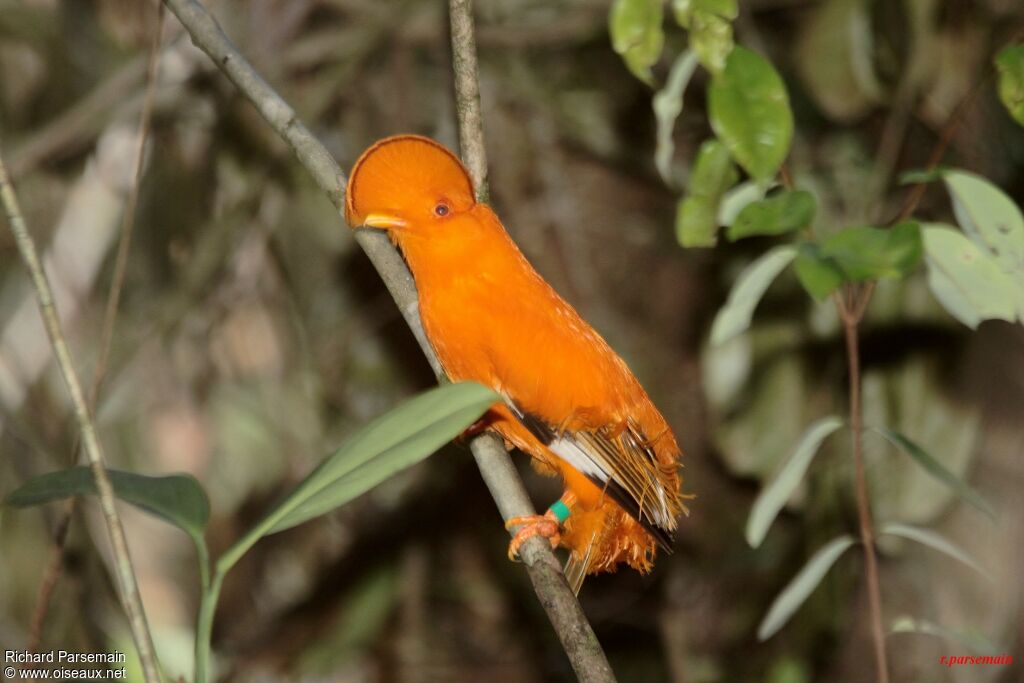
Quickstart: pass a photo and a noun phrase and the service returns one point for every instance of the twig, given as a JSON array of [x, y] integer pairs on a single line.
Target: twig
[[56, 562], [128, 218], [564, 611], [126, 575], [851, 311], [467, 94], [498, 472]]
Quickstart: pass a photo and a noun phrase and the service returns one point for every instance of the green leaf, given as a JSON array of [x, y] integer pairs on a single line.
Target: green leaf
[[784, 212], [802, 585], [177, 499], [773, 497], [934, 541], [735, 316], [695, 222], [989, 217], [1010, 65], [971, 638], [967, 281], [685, 9], [697, 213], [937, 470], [668, 104], [864, 253], [750, 113], [819, 274], [834, 54], [711, 39], [636, 33], [389, 444], [736, 199]]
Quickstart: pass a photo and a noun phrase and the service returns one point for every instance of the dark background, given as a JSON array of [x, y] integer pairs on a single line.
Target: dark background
[[254, 336]]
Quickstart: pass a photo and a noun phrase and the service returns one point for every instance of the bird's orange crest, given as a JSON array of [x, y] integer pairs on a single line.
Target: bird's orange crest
[[404, 176]]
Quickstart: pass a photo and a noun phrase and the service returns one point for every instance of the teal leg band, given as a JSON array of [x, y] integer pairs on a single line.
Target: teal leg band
[[560, 510]]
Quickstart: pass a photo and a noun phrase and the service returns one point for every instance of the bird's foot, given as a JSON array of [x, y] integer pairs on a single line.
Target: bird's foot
[[547, 526], [475, 429]]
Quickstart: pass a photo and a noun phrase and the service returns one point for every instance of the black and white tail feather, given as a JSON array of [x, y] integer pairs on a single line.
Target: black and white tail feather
[[625, 466]]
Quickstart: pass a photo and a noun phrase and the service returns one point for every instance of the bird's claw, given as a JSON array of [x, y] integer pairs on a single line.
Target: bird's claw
[[545, 525]]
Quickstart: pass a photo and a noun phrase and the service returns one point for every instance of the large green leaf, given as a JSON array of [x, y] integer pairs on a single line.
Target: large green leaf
[[749, 111], [802, 585], [636, 32], [933, 540], [774, 496], [784, 212], [177, 499], [865, 253], [697, 213], [989, 217], [937, 470], [967, 281], [392, 442], [1010, 65], [668, 104], [735, 316], [820, 275]]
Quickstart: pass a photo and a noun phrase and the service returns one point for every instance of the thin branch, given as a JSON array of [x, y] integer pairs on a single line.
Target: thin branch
[[496, 468], [851, 316], [56, 562], [564, 611], [467, 94], [128, 218], [126, 575]]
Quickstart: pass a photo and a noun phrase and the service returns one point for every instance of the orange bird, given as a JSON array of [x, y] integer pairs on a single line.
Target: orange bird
[[569, 400]]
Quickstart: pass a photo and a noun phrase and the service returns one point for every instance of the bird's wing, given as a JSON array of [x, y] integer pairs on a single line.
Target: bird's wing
[[622, 464]]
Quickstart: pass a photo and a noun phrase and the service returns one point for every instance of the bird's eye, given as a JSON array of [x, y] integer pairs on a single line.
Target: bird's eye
[[441, 210]]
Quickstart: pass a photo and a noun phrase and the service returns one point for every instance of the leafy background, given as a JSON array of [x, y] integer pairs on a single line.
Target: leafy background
[[254, 337]]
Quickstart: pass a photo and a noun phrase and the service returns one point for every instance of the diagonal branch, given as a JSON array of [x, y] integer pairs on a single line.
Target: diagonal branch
[[126, 575], [499, 474]]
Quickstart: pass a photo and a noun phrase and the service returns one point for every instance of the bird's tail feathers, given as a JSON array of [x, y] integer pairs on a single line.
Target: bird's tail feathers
[[576, 567]]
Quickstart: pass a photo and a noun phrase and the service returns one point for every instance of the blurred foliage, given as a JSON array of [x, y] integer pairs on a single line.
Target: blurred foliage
[[254, 337]]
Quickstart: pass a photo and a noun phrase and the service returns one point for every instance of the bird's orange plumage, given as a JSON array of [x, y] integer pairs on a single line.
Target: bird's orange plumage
[[571, 402]]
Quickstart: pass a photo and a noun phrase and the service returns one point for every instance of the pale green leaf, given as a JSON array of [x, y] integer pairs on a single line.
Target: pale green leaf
[[933, 540], [971, 638], [750, 113], [735, 316], [803, 584], [773, 497], [636, 33], [734, 201], [392, 442], [989, 217], [937, 470], [177, 499], [668, 104], [967, 281]]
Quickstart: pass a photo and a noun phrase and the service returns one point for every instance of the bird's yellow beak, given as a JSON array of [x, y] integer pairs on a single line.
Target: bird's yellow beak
[[384, 221]]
